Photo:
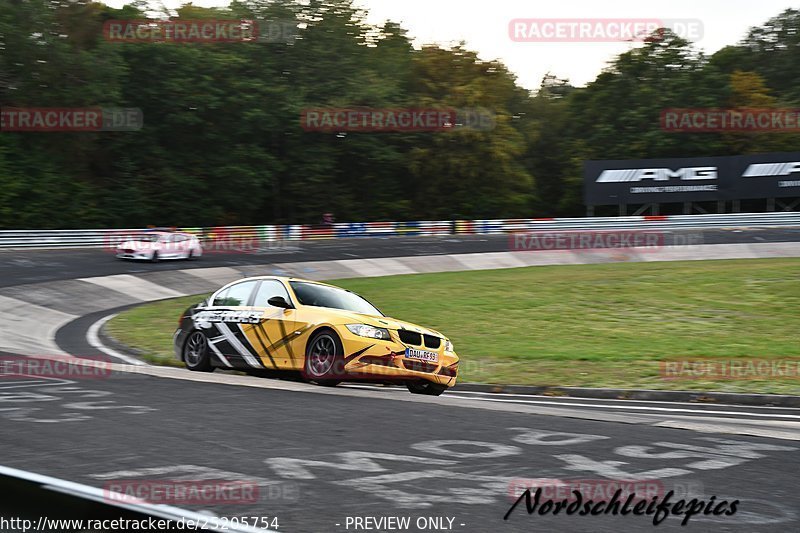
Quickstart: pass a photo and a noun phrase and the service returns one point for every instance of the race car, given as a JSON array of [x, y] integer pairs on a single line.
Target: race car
[[327, 333], [156, 245]]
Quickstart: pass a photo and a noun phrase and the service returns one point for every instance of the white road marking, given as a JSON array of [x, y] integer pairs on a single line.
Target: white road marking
[[93, 493], [93, 338], [640, 408], [352, 461], [567, 401], [543, 437], [569, 398]]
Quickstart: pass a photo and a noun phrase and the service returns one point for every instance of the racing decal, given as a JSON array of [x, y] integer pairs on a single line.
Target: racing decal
[[238, 345], [204, 318], [217, 324], [219, 355], [259, 330], [352, 356], [214, 339], [280, 343]]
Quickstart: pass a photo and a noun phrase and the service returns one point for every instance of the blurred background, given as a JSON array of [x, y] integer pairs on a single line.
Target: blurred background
[[222, 142]]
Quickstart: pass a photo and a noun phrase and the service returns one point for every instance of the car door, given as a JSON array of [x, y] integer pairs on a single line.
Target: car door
[[230, 313], [167, 247], [273, 336], [181, 246]]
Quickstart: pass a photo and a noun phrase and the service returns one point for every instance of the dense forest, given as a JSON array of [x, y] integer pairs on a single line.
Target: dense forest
[[222, 141]]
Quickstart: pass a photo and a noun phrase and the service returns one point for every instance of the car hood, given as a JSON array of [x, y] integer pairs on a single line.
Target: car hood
[[350, 317]]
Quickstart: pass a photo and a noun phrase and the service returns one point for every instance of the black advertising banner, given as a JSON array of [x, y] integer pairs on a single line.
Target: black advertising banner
[[767, 175], [643, 181], [694, 179]]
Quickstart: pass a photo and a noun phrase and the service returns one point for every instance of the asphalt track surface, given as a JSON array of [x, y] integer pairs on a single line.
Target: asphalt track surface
[[323, 458]]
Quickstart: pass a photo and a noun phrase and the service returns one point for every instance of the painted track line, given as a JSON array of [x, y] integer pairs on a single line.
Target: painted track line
[[631, 401], [575, 400], [93, 338], [653, 410]]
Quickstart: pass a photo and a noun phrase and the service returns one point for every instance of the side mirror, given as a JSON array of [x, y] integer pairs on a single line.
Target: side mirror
[[279, 301]]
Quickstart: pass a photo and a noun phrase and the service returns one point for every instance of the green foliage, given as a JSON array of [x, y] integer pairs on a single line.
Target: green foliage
[[222, 141]]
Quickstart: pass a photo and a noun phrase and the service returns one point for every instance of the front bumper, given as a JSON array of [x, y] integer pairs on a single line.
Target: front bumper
[[122, 254], [387, 361]]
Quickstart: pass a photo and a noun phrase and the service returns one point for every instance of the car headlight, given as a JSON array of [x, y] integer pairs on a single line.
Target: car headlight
[[365, 330], [448, 346]]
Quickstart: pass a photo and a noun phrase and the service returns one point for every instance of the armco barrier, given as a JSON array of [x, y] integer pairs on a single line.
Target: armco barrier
[[96, 238]]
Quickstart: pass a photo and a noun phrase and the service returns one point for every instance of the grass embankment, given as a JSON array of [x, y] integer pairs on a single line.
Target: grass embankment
[[606, 325]]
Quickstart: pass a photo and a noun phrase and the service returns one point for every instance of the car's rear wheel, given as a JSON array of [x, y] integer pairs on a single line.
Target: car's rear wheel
[[324, 362], [195, 353], [425, 387]]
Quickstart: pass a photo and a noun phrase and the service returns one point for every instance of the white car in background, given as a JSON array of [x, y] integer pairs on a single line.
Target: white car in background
[[157, 245]]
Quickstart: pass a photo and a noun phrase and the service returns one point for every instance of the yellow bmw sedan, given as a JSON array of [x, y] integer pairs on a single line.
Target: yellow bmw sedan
[[327, 333]]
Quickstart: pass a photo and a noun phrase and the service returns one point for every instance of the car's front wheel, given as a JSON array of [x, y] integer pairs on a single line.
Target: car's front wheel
[[325, 358], [425, 387], [195, 353]]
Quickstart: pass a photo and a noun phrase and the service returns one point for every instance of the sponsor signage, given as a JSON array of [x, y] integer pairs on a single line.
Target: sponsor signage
[[777, 175], [696, 179]]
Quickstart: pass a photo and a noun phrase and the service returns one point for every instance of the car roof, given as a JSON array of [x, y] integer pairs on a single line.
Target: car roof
[[282, 278], [162, 232]]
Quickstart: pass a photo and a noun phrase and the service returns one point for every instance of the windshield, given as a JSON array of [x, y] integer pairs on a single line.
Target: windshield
[[317, 295]]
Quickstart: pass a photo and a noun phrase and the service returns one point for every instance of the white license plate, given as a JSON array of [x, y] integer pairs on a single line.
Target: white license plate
[[424, 355]]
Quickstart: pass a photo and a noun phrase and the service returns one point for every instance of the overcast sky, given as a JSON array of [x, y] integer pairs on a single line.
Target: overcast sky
[[483, 24]]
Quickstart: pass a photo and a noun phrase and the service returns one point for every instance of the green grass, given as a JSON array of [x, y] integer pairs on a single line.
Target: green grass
[[584, 325]]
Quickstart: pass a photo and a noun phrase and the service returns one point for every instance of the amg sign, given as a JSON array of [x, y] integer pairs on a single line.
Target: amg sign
[[696, 179], [657, 174], [772, 169]]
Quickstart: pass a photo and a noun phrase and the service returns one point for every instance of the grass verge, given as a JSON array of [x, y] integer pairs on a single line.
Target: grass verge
[[608, 325]]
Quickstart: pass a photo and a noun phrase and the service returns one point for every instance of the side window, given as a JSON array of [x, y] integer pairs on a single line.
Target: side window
[[237, 294], [219, 299], [268, 289]]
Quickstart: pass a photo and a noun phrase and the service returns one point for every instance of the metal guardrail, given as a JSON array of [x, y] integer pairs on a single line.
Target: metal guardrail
[[43, 503], [96, 238]]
